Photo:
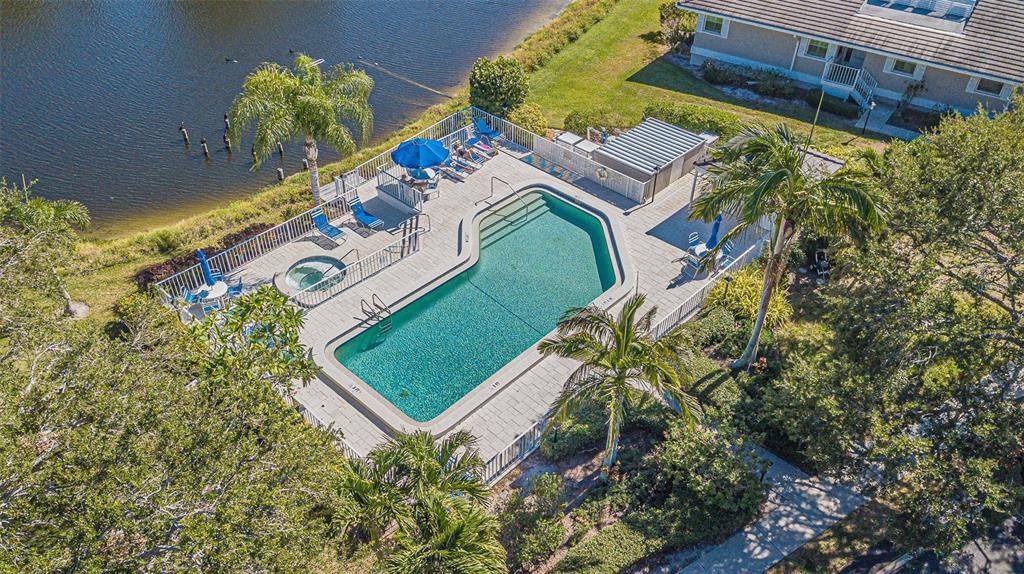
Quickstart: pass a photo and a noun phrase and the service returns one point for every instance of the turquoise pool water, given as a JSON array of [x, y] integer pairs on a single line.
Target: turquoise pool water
[[531, 269]]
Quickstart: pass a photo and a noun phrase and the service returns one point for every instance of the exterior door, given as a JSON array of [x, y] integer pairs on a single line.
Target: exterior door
[[851, 57]]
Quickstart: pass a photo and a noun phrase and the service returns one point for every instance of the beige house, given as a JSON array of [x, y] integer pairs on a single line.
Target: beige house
[[961, 52]]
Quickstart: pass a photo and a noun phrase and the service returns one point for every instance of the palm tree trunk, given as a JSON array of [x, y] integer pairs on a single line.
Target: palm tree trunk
[[72, 308], [771, 280], [611, 445], [314, 175]]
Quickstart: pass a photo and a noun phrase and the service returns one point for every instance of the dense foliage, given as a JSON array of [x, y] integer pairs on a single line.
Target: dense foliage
[[531, 522], [676, 24], [696, 118], [529, 116], [498, 86]]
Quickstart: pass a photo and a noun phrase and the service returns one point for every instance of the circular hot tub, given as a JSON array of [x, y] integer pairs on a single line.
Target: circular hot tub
[[315, 273]]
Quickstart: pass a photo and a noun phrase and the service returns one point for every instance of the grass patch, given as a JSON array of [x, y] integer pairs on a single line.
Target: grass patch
[[617, 67]]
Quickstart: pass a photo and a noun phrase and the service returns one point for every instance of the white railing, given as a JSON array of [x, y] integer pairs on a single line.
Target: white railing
[[389, 183], [520, 448], [233, 257], [567, 158], [694, 302], [366, 267], [314, 420], [839, 74], [864, 87]]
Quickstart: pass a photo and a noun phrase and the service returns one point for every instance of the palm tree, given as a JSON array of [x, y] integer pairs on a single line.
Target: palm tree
[[446, 536], [620, 362], [451, 466], [374, 501], [306, 103], [761, 174]]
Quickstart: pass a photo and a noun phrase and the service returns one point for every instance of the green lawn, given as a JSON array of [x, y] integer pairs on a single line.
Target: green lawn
[[617, 66]]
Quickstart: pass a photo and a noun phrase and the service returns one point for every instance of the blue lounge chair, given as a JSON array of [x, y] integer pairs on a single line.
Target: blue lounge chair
[[236, 289], [325, 228], [483, 130], [371, 221], [693, 264]]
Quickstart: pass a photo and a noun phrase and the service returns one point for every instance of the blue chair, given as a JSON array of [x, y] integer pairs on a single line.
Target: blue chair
[[211, 307], [727, 258], [190, 297], [694, 239], [371, 221], [484, 130], [217, 274], [693, 264], [236, 289], [325, 228]]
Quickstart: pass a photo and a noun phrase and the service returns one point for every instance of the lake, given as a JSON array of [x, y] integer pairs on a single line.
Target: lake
[[92, 93]]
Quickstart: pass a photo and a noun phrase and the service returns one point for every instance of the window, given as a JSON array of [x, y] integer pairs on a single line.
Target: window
[[904, 67], [714, 25], [816, 49], [989, 87]]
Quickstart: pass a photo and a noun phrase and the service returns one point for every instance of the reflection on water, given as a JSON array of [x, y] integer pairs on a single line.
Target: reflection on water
[[93, 92]]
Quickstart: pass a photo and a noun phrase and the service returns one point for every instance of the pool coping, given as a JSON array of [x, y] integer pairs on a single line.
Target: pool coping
[[280, 279], [390, 417]]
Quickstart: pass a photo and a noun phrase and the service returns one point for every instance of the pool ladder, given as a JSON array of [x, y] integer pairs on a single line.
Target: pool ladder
[[378, 313]]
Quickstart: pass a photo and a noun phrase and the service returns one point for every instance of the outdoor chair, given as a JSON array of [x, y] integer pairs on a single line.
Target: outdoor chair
[[211, 307], [451, 173], [236, 289], [190, 297], [427, 177], [694, 239], [727, 258], [693, 265], [821, 264], [217, 274], [369, 220], [482, 129], [324, 227], [478, 143]]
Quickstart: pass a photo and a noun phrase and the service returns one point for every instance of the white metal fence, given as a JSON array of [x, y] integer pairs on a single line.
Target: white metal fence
[[314, 420], [390, 183], [569, 159], [240, 254], [520, 448], [367, 266]]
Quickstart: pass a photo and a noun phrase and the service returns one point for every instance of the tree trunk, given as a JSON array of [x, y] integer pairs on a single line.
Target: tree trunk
[[72, 308], [611, 445], [314, 175], [771, 279]]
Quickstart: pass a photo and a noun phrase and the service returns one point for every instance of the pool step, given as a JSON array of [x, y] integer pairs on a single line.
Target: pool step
[[511, 220]]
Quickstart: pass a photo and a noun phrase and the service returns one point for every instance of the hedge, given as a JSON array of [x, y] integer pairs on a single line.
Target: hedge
[[609, 551], [832, 104], [696, 118], [577, 18]]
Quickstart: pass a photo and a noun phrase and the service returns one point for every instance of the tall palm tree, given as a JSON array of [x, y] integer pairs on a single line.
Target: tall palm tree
[[446, 536], [621, 362], [304, 102], [762, 174]]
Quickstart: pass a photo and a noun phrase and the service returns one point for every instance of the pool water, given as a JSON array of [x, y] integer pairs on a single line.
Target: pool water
[[312, 270], [534, 264]]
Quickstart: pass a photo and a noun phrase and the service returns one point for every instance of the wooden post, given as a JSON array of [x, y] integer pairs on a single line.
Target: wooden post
[[280, 174], [206, 150], [280, 148]]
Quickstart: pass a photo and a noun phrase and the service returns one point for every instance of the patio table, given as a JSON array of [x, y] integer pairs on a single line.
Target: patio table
[[216, 291]]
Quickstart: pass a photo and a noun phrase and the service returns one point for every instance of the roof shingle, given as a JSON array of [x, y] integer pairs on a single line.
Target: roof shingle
[[992, 41]]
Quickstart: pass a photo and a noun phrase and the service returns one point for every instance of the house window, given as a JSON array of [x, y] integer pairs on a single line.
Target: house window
[[714, 25], [989, 87], [904, 67], [816, 49]]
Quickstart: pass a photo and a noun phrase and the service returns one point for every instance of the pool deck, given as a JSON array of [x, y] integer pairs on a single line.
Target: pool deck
[[651, 239]]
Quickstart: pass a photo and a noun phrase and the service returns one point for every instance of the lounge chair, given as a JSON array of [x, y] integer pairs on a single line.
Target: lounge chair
[[693, 264], [461, 151], [324, 227], [482, 146], [451, 173], [371, 221], [486, 131], [425, 176]]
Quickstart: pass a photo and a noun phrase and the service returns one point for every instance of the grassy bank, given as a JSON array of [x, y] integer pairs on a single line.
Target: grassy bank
[[618, 66]]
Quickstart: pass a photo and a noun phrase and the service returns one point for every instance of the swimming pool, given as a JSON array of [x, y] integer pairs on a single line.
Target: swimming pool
[[534, 264]]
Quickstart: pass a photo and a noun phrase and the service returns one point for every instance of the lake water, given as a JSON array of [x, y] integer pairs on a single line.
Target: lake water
[[92, 93]]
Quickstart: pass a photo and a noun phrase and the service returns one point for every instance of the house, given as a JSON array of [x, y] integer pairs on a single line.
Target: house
[[943, 53]]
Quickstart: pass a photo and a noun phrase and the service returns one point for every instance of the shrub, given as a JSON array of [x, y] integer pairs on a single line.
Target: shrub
[[531, 526], [724, 74], [706, 484], [676, 24], [575, 19], [832, 104], [579, 120], [774, 85], [159, 271], [586, 429], [742, 296], [712, 326], [530, 117], [497, 84], [610, 551], [696, 118]]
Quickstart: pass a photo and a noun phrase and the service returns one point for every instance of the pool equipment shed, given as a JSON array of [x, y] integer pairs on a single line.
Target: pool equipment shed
[[655, 152]]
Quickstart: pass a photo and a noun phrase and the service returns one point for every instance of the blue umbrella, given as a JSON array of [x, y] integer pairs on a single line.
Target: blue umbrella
[[420, 153], [204, 266], [713, 240]]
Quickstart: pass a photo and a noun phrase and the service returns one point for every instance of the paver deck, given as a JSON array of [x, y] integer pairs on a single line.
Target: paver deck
[[652, 236]]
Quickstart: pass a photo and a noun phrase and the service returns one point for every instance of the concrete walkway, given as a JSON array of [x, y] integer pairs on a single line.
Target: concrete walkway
[[799, 508]]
